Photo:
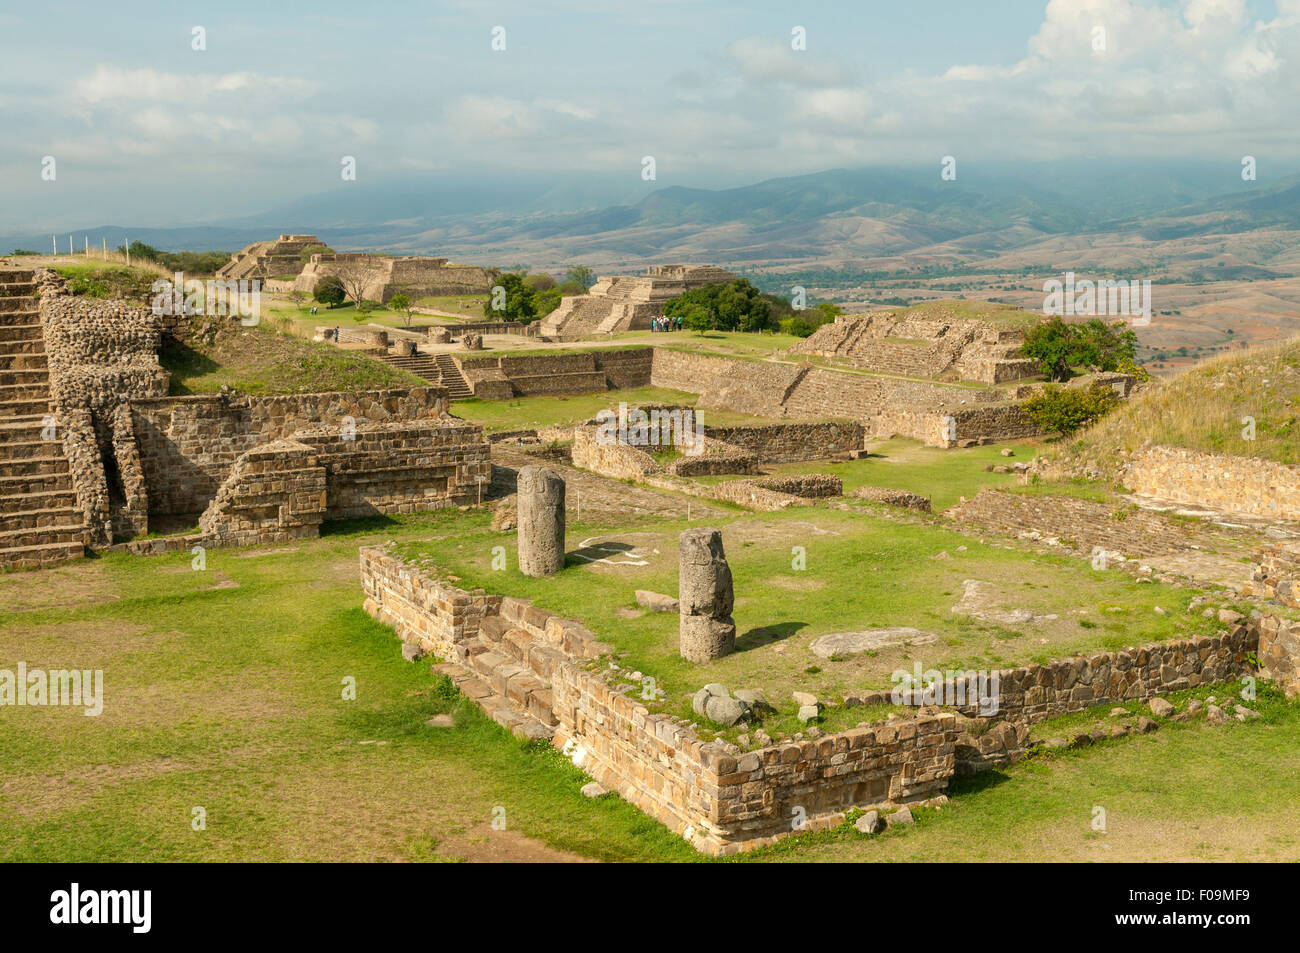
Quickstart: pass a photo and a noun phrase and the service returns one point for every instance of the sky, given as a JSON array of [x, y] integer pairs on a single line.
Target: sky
[[143, 128]]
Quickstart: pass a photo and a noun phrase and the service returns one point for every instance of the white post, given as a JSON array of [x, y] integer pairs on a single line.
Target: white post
[[56, 244], [105, 242], [87, 237], [71, 253], [126, 246]]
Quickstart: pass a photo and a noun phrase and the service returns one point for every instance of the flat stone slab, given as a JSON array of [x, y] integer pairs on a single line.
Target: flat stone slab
[[656, 601], [850, 643]]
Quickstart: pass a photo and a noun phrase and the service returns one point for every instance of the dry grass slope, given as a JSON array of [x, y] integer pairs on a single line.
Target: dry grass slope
[[1210, 408]]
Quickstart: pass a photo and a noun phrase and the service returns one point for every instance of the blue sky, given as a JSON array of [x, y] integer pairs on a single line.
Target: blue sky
[[144, 129]]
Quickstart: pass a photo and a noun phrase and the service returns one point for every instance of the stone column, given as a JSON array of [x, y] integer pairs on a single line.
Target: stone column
[[706, 597], [541, 521]]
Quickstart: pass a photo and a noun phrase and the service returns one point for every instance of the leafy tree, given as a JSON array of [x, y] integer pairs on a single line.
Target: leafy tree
[[518, 300], [730, 306], [1059, 347], [354, 277], [403, 303], [329, 292], [581, 275], [1065, 410]]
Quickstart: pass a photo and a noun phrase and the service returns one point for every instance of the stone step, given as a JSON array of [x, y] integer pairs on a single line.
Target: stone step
[[23, 408], [18, 274], [16, 289], [60, 498], [22, 429], [24, 375], [519, 721], [12, 313], [50, 518], [47, 554], [30, 391], [34, 476], [44, 536], [29, 346], [21, 331], [34, 359], [38, 449]]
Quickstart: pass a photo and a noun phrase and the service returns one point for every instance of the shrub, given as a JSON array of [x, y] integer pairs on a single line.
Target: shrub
[[1065, 410]]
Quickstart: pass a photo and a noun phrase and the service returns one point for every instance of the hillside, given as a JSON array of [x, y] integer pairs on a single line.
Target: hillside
[[1209, 408]]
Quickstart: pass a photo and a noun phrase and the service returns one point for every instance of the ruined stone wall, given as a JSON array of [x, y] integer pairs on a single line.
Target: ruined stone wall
[[753, 387], [99, 352], [1035, 692], [559, 373], [792, 443], [616, 460], [1219, 481], [1277, 573], [187, 445], [401, 467], [273, 492], [721, 799]]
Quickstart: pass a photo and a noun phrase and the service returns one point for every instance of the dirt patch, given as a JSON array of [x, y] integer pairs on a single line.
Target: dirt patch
[[483, 845], [75, 584]]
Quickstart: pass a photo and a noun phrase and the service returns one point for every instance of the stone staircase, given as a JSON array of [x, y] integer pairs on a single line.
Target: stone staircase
[[436, 369], [497, 671], [451, 378], [40, 522]]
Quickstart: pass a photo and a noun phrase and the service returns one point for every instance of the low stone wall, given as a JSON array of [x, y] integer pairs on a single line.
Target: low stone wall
[[1279, 652], [1081, 524], [131, 517], [721, 799], [749, 494], [811, 485], [892, 497], [577, 372], [400, 467], [86, 467], [616, 460], [793, 443], [1219, 481]]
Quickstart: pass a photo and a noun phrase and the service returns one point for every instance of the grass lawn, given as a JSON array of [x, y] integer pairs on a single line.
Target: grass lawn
[[223, 690], [862, 572], [902, 464]]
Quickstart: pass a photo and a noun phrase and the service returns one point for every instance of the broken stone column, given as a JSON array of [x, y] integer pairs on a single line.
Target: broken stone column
[[541, 521], [706, 597]]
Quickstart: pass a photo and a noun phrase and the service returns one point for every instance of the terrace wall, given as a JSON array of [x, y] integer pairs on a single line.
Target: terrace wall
[[1220, 481]]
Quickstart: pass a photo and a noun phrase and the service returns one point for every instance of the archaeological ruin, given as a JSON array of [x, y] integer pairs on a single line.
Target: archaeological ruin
[[382, 276], [626, 302], [97, 453], [283, 258]]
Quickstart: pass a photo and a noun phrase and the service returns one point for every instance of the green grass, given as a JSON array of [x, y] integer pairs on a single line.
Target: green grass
[[1204, 408], [862, 572], [261, 360], [222, 690], [902, 464]]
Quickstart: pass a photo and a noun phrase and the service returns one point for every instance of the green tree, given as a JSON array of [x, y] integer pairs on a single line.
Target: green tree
[[403, 303], [581, 275], [329, 292], [515, 298], [1059, 347]]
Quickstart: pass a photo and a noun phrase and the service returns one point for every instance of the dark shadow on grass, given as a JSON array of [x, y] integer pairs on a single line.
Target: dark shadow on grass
[[599, 551], [766, 634], [183, 362], [974, 783], [358, 524]]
